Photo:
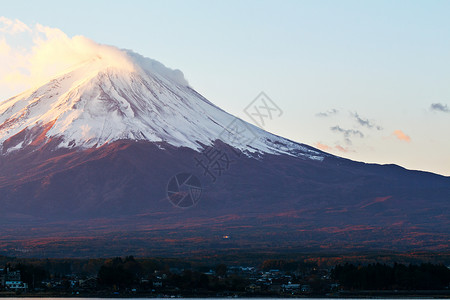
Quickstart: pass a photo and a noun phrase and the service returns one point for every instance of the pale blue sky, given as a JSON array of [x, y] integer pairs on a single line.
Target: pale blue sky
[[386, 61]]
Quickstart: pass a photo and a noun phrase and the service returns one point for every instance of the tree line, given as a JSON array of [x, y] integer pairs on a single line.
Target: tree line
[[392, 277]]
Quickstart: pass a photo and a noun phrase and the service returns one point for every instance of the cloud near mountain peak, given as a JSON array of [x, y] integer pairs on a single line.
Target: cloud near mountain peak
[[30, 56]]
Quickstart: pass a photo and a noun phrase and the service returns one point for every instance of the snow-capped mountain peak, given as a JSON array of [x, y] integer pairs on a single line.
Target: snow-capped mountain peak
[[122, 95]]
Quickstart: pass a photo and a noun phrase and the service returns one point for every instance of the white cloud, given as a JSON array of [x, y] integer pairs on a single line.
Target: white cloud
[[48, 52], [4, 47], [12, 26], [30, 56]]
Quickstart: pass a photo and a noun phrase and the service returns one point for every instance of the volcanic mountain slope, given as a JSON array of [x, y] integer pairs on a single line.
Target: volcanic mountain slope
[[98, 103], [86, 160]]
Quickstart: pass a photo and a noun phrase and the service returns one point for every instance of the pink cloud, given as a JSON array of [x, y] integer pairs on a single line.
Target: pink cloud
[[323, 147], [342, 149], [401, 135]]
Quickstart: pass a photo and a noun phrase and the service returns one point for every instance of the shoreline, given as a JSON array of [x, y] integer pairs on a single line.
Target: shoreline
[[372, 294]]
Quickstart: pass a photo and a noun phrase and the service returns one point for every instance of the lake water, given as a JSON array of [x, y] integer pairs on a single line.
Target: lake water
[[26, 298]]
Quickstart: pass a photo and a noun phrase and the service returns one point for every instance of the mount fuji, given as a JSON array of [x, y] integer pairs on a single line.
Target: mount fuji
[[98, 103], [102, 159]]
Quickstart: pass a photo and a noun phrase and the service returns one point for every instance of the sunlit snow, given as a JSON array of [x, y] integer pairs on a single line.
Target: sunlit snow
[[98, 102]]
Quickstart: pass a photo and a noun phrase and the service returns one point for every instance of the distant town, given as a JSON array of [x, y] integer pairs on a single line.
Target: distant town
[[156, 277]]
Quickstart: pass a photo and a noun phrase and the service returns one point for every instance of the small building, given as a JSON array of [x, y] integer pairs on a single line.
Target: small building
[[157, 284], [12, 275], [253, 288], [306, 288], [291, 287], [88, 284], [16, 285], [275, 288]]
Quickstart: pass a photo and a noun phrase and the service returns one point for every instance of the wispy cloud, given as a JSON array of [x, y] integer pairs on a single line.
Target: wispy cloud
[[12, 26], [347, 132], [343, 149], [440, 107], [365, 122], [327, 148], [401, 135], [327, 113], [50, 52]]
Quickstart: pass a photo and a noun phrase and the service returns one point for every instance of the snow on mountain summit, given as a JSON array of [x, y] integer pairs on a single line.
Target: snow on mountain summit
[[123, 95]]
